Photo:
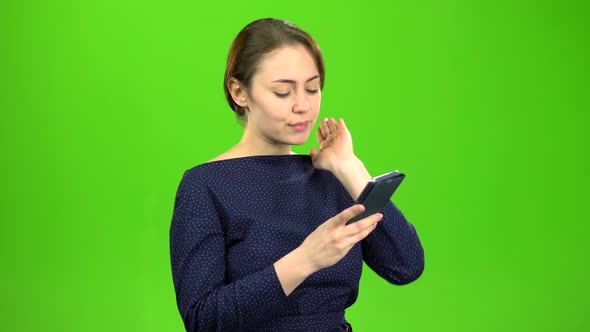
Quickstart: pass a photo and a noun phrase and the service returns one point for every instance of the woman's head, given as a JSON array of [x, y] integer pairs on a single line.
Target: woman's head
[[274, 77], [257, 40]]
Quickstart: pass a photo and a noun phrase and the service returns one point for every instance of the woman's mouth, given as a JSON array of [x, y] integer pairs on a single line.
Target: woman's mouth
[[299, 126]]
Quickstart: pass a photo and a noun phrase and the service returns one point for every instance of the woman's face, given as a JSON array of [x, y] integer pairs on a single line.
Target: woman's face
[[284, 99]]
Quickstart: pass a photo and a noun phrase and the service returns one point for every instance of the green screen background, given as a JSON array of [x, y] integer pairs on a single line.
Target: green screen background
[[104, 104]]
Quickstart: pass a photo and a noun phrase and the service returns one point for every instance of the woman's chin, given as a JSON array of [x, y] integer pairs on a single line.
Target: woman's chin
[[299, 140]]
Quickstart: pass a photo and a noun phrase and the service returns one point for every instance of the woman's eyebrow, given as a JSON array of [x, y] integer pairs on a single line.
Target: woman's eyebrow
[[293, 82]]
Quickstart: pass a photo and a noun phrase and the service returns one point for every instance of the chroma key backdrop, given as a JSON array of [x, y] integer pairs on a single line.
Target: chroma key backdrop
[[484, 106]]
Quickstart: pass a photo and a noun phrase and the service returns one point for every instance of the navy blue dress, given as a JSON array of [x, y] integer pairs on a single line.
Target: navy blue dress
[[234, 218]]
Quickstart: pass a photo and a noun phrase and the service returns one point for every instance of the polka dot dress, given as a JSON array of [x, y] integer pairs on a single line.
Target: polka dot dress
[[234, 218]]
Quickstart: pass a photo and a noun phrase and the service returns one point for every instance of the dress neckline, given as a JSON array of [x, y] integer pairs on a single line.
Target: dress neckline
[[269, 157], [276, 167]]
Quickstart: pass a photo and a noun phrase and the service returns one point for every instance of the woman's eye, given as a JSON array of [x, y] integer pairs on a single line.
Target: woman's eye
[[283, 95], [312, 91]]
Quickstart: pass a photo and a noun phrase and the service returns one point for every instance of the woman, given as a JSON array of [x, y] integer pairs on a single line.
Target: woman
[[259, 239]]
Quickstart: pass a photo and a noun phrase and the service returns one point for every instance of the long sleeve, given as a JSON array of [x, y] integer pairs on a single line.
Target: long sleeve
[[197, 247], [393, 250]]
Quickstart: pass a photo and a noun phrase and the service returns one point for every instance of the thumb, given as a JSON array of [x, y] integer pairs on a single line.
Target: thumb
[[313, 152]]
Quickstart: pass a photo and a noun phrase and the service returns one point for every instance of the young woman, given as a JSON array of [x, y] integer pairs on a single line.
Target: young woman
[[259, 239]]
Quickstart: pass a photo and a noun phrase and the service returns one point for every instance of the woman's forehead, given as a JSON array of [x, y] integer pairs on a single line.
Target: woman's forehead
[[293, 63]]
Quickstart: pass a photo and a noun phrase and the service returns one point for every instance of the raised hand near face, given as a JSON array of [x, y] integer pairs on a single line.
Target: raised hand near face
[[335, 145]]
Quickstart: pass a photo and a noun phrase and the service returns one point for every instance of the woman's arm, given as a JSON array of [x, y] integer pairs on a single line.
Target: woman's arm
[[336, 155], [393, 250], [197, 247]]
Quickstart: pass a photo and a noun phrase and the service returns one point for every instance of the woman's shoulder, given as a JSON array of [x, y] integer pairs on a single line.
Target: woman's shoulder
[[229, 167], [230, 154], [214, 165]]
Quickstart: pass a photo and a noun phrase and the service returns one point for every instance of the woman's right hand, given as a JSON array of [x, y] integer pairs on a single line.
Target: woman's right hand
[[324, 247], [332, 240]]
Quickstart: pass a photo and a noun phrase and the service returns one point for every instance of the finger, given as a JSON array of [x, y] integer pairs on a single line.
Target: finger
[[332, 125], [360, 226], [344, 132], [343, 217], [324, 128], [319, 135], [313, 152], [364, 233], [341, 124], [328, 142]]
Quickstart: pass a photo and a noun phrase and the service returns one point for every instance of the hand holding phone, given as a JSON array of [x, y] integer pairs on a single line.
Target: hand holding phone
[[377, 193]]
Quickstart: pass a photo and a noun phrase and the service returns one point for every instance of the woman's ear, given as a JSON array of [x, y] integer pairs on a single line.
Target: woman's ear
[[238, 92]]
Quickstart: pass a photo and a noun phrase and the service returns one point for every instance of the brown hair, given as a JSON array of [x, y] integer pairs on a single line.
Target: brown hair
[[256, 40]]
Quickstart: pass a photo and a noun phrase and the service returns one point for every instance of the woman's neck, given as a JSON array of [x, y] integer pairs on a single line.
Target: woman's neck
[[253, 145], [245, 148]]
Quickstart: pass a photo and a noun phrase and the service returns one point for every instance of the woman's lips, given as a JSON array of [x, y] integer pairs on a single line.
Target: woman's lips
[[299, 126]]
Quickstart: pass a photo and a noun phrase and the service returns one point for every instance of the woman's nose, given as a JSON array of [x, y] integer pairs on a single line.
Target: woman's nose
[[301, 103]]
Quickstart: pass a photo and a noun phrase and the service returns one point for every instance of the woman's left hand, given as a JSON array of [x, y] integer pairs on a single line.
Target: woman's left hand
[[335, 144]]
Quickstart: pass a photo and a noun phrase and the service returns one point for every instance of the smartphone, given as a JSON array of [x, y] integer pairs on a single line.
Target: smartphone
[[377, 193]]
